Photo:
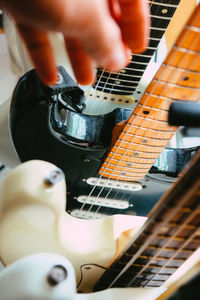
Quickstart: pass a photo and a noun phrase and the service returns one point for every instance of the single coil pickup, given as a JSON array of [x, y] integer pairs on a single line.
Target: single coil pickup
[[84, 214], [115, 184], [105, 202]]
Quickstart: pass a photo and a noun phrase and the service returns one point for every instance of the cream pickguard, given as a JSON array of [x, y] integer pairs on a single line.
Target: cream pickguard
[[33, 220]]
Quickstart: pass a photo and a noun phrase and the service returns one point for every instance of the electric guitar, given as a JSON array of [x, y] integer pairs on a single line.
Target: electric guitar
[[118, 251], [105, 164]]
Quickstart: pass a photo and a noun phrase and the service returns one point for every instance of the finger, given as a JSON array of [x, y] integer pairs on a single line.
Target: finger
[[101, 38], [135, 23], [41, 53], [80, 61]]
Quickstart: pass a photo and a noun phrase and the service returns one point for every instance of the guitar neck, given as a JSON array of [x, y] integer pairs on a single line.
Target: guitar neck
[[170, 235], [125, 82], [147, 133]]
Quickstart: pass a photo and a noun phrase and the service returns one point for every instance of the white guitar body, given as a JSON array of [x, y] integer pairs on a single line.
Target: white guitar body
[[28, 278], [33, 220]]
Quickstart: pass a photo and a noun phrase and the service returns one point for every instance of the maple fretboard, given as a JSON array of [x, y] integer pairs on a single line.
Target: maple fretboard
[[147, 133]]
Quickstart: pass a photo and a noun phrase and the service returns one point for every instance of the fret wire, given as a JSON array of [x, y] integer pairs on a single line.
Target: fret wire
[[181, 49], [143, 145], [137, 158], [163, 4], [153, 235], [157, 29], [133, 150], [149, 119], [153, 108], [174, 85], [193, 28], [153, 38], [119, 79], [118, 85], [160, 17], [107, 194], [117, 90], [147, 138], [133, 69], [142, 164], [126, 74], [153, 80], [141, 55], [189, 218], [147, 129], [138, 63], [190, 238], [151, 48], [159, 258], [157, 96], [131, 171], [180, 69], [170, 249]]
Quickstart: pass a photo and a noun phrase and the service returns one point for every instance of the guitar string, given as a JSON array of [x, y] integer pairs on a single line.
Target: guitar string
[[95, 186], [111, 175], [158, 131], [111, 189], [125, 268], [179, 229], [132, 139], [123, 196], [152, 236], [105, 83], [92, 190]]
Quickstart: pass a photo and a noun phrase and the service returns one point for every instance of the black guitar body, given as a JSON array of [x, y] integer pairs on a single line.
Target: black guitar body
[[43, 127]]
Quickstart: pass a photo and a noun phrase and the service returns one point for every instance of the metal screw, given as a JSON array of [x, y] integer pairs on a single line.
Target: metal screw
[[86, 160], [84, 180], [56, 275]]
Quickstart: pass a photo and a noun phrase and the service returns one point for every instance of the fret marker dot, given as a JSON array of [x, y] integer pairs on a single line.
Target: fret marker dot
[[185, 78], [112, 99], [123, 173], [128, 164], [135, 154], [120, 100], [146, 112], [123, 71], [144, 141], [164, 11], [127, 101], [118, 82]]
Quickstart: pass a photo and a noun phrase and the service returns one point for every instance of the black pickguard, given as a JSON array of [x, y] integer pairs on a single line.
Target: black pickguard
[[75, 143]]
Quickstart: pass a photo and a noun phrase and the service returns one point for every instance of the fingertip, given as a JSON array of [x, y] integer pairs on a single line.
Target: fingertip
[[86, 78], [48, 75]]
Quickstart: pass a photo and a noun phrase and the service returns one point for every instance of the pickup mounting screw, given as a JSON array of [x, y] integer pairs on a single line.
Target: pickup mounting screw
[[86, 160]]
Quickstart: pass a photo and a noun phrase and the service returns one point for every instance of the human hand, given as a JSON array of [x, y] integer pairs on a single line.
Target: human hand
[[100, 31]]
